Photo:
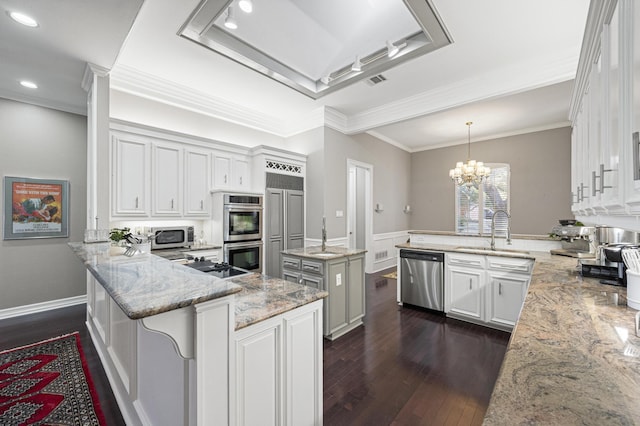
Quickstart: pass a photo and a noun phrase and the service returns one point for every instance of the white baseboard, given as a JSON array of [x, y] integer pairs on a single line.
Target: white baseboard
[[42, 307]]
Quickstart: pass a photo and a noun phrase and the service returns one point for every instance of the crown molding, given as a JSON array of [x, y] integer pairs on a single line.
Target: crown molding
[[509, 81], [133, 81], [389, 140], [494, 136], [42, 102], [91, 70]]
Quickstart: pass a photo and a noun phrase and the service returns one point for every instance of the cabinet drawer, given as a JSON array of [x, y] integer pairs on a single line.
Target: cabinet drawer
[[313, 281], [290, 276], [313, 267], [291, 263], [465, 260], [521, 266]]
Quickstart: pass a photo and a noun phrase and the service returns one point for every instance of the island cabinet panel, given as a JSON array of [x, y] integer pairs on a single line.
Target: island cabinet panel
[[278, 372], [506, 295], [337, 300], [342, 276], [258, 363]]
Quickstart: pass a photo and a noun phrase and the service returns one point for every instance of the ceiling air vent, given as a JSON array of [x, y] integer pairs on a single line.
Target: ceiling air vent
[[376, 79]]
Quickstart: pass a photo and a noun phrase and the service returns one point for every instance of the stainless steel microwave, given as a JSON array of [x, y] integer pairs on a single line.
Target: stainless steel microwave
[[171, 237]]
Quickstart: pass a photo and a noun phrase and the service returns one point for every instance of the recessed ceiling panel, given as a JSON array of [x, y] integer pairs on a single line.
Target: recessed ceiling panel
[[312, 45]]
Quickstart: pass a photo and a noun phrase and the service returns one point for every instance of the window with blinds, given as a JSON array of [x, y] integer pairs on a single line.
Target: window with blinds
[[476, 205]]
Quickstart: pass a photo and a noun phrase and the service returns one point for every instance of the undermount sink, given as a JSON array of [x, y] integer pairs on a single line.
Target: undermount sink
[[488, 250]]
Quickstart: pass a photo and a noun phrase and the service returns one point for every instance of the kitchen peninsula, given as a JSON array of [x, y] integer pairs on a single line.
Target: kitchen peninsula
[[183, 347]]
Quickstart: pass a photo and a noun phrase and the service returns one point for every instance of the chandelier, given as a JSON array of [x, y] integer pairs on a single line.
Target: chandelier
[[471, 173]]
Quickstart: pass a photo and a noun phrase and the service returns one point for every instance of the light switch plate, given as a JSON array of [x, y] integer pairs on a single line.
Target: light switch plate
[[338, 280], [339, 213]]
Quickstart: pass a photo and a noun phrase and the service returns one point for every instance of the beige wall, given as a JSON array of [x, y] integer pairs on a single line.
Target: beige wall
[[43, 143], [540, 180]]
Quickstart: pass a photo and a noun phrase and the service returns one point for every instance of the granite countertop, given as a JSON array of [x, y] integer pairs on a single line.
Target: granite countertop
[[263, 297], [573, 357], [454, 234], [145, 285], [331, 252], [522, 254]]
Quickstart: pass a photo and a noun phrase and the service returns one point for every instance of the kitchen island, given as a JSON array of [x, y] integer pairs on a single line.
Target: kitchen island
[[573, 356], [183, 347]]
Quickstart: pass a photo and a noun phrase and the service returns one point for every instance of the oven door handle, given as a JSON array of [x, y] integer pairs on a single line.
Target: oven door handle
[[257, 243]]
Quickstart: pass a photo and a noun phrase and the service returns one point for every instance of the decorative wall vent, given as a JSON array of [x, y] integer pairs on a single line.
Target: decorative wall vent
[[376, 79], [381, 255], [284, 167]]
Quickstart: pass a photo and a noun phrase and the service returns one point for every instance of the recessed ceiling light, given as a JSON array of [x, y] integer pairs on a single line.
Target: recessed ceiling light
[[246, 6], [28, 84], [23, 19]]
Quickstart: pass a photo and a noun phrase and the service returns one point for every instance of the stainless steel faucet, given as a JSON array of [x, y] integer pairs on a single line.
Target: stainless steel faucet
[[324, 234], [493, 228]]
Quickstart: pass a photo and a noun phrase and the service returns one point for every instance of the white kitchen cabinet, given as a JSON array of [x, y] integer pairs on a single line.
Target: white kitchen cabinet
[[221, 171], [166, 182], [196, 188], [486, 290], [605, 115], [231, 172], [278, 375], [130, 176], [507, 283], [464, 286]]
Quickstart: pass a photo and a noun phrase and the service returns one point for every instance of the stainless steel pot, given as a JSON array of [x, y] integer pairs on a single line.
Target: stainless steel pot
[[606, 235]]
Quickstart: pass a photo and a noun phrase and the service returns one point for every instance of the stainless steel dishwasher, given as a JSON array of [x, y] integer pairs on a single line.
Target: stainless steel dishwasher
[[422, 279]]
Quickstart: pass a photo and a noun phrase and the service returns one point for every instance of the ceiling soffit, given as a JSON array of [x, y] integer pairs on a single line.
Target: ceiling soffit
[[299, 64]]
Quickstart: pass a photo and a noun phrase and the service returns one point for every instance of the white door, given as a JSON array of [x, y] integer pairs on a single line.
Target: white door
[[359, 206]]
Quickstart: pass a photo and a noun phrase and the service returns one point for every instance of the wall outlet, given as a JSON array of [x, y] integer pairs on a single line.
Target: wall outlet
[[338, 280], [339, 213]]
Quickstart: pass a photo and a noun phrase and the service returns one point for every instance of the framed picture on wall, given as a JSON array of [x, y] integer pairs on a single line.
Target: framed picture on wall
[[35, 208]]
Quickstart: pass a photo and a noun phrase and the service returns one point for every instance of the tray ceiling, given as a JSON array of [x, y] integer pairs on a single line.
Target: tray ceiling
[[317, 43]]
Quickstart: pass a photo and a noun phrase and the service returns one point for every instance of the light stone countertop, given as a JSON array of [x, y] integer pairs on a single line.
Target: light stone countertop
[[331, 252], [573, 357], [454, 234], [145, 285]]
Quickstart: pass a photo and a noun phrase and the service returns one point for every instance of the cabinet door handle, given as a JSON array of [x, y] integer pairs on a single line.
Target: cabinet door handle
[[225, 178], [240, 180], [201, 204], [470, 283], [500, 288], [172, 204], [136, 202]]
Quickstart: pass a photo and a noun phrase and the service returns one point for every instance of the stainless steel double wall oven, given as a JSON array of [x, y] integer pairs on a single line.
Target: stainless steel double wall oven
[[242, 230]]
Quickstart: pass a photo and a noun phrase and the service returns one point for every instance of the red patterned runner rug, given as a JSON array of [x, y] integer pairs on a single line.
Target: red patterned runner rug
[[48, 383]]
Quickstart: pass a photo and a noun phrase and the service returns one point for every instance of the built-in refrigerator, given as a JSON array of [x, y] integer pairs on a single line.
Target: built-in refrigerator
[[284, 219]]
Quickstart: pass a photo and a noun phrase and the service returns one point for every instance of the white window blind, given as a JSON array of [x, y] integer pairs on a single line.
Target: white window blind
[[476, 205]]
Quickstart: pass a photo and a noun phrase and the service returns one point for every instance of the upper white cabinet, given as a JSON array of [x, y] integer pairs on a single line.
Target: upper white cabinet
[[166, 182], [231, 172], [158, 174], [197, 198], [605, 113], [130, 172]]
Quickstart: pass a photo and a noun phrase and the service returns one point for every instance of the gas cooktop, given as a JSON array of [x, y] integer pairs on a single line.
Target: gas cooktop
[[220, 270]]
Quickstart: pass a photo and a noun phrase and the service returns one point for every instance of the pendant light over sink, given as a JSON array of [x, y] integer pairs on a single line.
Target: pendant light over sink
[[471, 173]]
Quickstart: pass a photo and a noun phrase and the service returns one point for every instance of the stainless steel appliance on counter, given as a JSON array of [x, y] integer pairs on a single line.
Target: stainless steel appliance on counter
[[577, 241], [422, 279], [166, 237], [608, 264], [220, 270]]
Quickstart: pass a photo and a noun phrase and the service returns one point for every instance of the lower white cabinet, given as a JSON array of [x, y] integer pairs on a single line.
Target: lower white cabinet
[[486, 290], [278, 375]]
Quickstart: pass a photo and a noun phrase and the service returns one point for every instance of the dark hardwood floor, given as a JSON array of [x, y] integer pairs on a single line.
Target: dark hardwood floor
[[406, 366], [409, 366]]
